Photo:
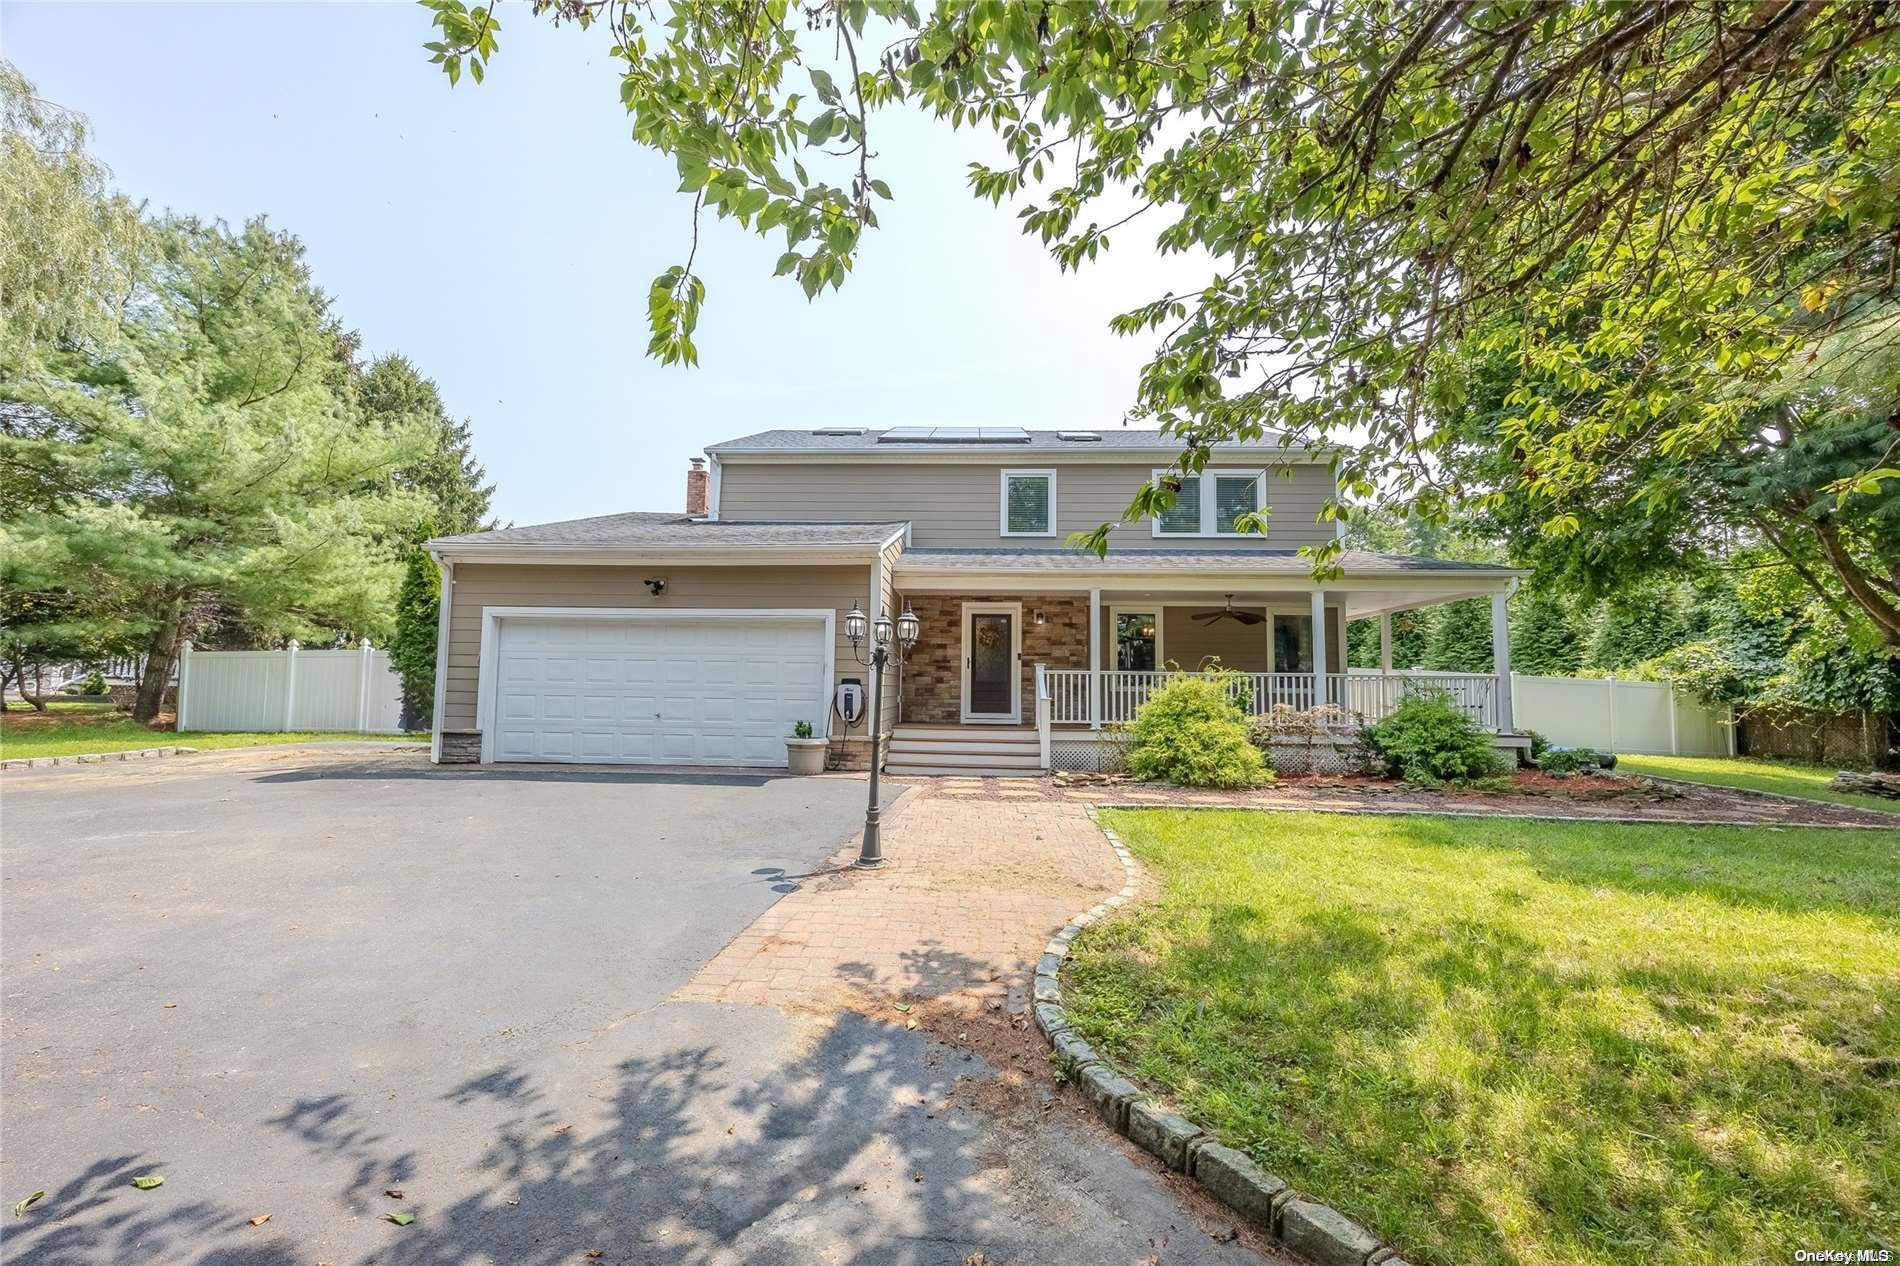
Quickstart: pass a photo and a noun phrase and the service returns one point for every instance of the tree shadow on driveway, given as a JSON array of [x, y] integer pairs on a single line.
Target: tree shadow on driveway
[[867, 1144]]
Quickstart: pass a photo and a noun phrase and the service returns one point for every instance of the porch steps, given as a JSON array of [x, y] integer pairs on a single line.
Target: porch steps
[[975, 751]]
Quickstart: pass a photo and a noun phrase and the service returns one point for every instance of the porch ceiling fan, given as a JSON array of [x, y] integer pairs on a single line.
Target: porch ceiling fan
[[1227, 613]]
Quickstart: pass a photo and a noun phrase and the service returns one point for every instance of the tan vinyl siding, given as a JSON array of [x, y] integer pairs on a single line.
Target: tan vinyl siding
[[957, 504], [1190, 644], [479, 585]]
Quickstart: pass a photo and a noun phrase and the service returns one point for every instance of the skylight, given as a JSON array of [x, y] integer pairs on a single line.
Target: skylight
[[1079, 437], [954, 435], [839, 430]]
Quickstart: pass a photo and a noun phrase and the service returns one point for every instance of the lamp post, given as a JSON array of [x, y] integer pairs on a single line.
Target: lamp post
[[886, 640]]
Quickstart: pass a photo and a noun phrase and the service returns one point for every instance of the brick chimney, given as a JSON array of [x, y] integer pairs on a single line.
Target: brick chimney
[[696, 489]]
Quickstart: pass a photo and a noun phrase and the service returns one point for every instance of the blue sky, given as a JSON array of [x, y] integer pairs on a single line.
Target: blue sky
[[503, 237]]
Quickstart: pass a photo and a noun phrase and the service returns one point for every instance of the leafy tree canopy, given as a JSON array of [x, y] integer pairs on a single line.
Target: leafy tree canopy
[[67, 244], [1640, 211]]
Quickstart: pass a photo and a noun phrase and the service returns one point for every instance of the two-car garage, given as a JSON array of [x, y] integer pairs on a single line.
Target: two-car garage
[[646, 686]]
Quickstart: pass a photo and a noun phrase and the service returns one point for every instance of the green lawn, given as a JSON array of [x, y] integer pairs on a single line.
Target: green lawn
[[69, 729], [1514, 1042], [1807, 781]]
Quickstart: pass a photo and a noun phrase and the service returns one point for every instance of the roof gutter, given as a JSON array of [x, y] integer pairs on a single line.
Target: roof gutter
[[990, 454], [775, 554]]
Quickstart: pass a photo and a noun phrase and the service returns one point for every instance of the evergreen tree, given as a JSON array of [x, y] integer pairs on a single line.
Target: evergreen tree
[[393, 390], [1546, 637], [412, 649], [202, 457], [1460, 637], [1635, 627], [1411, 633]]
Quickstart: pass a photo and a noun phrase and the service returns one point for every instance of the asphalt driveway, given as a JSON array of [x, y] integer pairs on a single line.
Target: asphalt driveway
[[295, 982]]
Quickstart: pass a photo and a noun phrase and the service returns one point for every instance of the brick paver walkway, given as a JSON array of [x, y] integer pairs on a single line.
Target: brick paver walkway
[[973, 888]]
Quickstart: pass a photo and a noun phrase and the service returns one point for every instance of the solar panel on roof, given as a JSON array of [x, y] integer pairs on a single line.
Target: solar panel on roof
[[954, 435]]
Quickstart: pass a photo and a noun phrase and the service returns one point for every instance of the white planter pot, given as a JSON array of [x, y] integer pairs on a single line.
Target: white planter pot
[[805, 755]]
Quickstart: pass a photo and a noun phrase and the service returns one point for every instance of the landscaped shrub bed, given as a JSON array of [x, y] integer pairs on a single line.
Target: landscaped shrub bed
[[1428, 739], [1192, 733], [1510, 1042]]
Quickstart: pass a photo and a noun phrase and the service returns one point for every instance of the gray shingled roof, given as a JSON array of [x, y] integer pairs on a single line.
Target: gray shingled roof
[[1039, 442], [1272, 562], [639, 528]]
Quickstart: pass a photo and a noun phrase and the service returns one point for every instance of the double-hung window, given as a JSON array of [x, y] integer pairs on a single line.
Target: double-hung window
[[1029, 503], [1211, 503]]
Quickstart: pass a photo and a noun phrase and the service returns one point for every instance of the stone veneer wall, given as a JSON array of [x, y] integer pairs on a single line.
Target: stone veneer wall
[[933, 672], [461, 747]]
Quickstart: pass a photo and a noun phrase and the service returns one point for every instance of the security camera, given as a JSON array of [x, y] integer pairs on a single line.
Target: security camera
[[655, 587]]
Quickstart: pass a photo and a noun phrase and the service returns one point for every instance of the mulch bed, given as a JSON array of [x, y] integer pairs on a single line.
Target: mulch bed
[[1605, 797]]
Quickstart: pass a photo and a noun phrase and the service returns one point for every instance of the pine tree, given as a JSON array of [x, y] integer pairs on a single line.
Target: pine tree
[[394, 390], [202, 457]]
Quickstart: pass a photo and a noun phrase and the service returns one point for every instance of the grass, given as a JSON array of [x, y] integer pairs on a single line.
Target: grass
[[1785, 777], [1512, 1042], [69, 729]]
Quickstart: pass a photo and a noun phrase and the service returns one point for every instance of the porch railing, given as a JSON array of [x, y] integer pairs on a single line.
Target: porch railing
[[1370, 695]]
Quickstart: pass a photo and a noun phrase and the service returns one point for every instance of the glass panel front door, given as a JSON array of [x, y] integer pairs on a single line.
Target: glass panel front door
[[1135, 641], [992, 664]]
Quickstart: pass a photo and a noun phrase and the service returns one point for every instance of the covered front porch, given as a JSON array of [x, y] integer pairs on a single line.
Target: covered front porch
[[1072, 663]]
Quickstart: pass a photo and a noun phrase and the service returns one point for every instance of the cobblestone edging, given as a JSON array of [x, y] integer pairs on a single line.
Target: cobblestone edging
[[1316, 1231], [94, 758], [1382, 811]]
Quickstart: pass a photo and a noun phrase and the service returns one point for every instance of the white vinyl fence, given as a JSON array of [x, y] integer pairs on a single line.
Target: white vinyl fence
[[1648, 717], [292, 689]]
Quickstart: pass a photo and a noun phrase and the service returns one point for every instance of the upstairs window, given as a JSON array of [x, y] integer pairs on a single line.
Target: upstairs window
[[1211, 503], [1234, 495], [1184, 516], [1029, 503]]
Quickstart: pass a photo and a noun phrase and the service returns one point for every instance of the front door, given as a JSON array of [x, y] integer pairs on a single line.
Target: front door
[[992, 678]]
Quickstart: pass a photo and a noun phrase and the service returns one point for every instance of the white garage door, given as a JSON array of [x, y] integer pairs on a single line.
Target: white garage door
[[656, 691]]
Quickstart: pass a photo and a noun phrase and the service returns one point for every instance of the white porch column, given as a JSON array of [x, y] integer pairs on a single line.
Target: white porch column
[[1095, 658], [1319, 647], [1385, 641], [1501, 656]]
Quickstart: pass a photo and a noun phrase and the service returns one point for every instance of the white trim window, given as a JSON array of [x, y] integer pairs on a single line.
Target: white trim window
[[1029, 503], [1210, 503]]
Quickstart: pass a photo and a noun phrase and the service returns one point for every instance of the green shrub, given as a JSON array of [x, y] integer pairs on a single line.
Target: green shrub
[[802, 729], [1539, 744], [1192, 734], [1429, 739], [1571, 760], [93, 683]]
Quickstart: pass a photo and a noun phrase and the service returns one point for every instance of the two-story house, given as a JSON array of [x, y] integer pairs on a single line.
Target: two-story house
[[703, 638]]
